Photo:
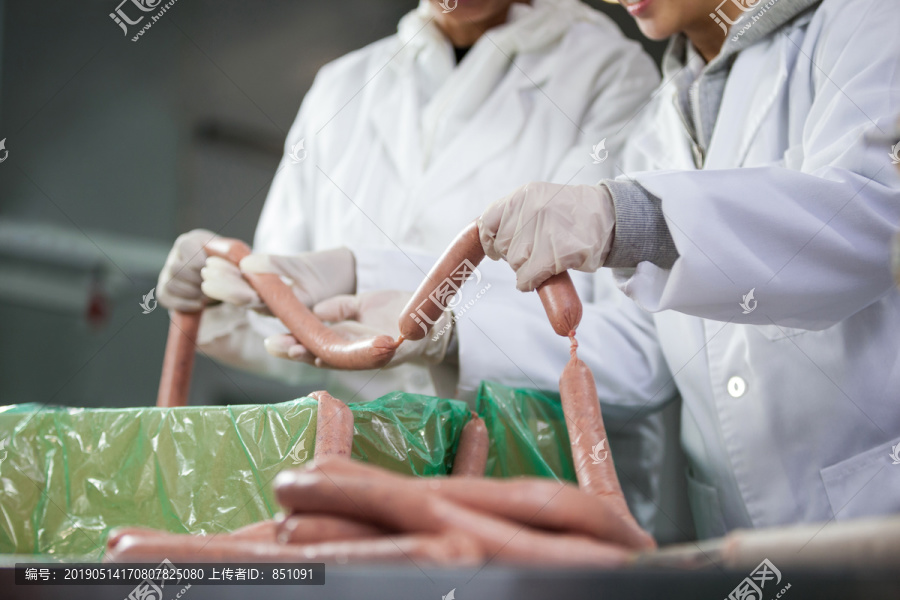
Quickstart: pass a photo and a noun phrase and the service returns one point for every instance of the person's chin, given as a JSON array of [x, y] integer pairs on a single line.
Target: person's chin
[[654, 31], [649, 17]]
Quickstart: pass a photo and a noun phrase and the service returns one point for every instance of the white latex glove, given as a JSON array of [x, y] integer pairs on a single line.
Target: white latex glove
[[367, 315], [179, 282], [542, 229], [313, 276]]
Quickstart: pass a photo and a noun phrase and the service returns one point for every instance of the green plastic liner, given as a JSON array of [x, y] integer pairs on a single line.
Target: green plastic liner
[[528, 433], [69, 475]]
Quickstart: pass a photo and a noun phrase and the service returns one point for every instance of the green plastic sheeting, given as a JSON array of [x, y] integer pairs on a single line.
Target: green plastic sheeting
[[528, 433], [69, 475]]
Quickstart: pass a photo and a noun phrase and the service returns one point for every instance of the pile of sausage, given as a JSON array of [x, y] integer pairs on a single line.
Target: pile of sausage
[[341, 511]]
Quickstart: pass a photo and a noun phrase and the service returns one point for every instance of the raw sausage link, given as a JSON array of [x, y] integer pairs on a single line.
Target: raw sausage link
[[314, 529], [558, 295], [178, 361], [326, 344], [451, 549], [581, 408], [264, 531], [334, 426], [138, 547], [542, 504], [456, 265], [363, 499], [448, 549], [561, 303], [472, 451], [118, 534]]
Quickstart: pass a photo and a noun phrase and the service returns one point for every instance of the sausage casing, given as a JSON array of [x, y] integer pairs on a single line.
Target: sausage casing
[[587, 433], [334, 426], [472, 450], [561, 303], [452, 269]]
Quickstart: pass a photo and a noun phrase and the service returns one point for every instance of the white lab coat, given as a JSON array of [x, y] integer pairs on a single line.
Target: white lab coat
[[401, 149], [404, 149], [798, 202]]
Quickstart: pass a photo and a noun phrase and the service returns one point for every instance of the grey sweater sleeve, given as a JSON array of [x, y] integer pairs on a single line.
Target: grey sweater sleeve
[[641, 232]]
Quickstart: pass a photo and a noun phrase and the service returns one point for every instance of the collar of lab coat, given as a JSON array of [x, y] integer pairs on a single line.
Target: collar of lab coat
[[700, 97], [452, 93]]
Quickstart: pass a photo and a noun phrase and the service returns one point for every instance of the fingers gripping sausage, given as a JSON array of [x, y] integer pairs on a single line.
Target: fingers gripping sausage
[[472, 451], [334, 426], [455, 266], [325, 343]]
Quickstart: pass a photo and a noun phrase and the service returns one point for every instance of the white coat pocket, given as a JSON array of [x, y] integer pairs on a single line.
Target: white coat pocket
[[865, 485], [709, 521]]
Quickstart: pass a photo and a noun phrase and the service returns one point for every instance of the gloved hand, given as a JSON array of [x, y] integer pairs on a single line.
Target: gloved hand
[[179, 282], [542, 229], [313, 276], [367, 315]]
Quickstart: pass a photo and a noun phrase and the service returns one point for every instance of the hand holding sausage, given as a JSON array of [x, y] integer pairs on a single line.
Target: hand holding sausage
[[365, 316], [543, 229], [179, 284], [313, 276], [333, 349]]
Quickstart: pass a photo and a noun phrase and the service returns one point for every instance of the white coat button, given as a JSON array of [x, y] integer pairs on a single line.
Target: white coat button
[[736, 387]]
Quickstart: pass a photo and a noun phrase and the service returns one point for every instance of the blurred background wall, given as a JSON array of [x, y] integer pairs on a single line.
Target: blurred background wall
[[116, 147]]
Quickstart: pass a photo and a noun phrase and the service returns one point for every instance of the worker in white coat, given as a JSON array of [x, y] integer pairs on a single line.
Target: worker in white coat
[[754, 222], [395, 148]]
